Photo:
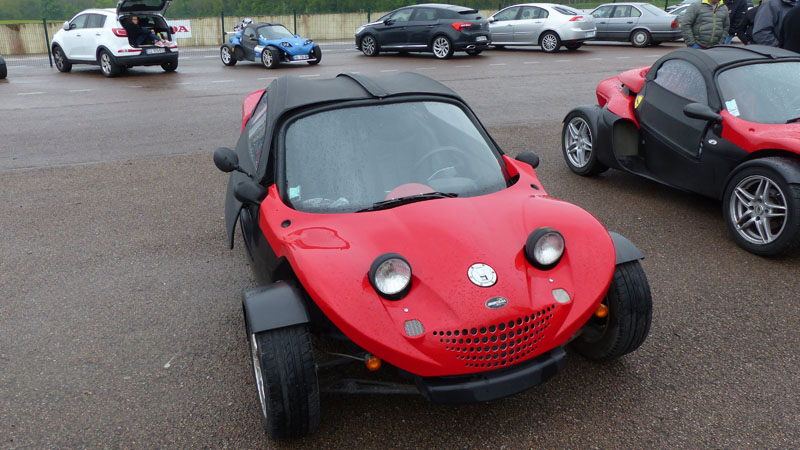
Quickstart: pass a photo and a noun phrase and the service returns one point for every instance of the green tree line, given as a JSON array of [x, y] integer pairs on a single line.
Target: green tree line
[[65, 9]]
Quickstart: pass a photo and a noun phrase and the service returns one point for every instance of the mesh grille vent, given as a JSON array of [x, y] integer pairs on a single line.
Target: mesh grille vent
[[414, 327], [498, 344]]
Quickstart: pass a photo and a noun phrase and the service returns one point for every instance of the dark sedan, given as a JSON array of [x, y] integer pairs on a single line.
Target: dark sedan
[[437, 28]]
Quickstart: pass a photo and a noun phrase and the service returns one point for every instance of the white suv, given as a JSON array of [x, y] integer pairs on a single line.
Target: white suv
[[95, 36]]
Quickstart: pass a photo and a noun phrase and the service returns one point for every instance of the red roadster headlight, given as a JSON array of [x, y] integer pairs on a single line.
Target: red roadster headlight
[[544, 248], [390, 275]]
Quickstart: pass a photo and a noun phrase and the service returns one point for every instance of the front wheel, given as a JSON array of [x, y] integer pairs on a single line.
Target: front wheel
[[170, 66], [286, 381], [630, 311], [270, 57], [107, 64], [762, 211], [369, 46], [577, 145], [640, 38], [316, 53], [62, 64], [227, 56], [550, 42], [442, 47]]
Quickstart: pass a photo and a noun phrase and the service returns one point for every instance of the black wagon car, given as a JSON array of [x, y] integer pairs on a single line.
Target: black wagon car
[[438, 28]]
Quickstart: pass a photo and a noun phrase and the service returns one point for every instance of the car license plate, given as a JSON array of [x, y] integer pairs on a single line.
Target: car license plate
[[590, 34], [153, 51], [480, 38], [299, 57]]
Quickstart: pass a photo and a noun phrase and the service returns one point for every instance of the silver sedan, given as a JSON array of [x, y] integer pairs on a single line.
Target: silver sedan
[[640, 23], [546, 24]]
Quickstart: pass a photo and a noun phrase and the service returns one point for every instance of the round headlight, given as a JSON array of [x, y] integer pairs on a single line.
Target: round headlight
[[390, 275], [544, 248], [307, 41], [285, 44]]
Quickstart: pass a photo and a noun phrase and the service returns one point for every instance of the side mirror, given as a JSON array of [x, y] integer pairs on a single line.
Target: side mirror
[[66, 26], [529, 157], [702, 112], [226, 160], [492, 20], [388, 21], [249, 192]]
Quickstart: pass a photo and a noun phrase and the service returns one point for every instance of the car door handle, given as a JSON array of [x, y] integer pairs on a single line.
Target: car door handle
[[630, 22], [429, 26]]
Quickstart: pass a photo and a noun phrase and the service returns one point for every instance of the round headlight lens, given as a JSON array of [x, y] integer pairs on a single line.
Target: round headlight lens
[[544, 248], [390, 275], [307, 41]]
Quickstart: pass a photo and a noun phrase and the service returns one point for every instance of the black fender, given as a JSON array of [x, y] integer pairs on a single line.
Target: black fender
[[788, 168], [274, 306], [601, 120], [626, 250]]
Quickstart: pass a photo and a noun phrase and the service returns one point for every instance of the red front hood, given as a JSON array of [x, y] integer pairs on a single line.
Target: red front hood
[[332, 253], [753, 136]]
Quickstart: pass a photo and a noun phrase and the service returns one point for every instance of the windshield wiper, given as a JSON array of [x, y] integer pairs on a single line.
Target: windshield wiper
[[392, 202], [793, 120]]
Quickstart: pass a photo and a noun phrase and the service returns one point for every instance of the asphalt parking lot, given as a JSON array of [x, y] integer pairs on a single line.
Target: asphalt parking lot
[[121, 324]]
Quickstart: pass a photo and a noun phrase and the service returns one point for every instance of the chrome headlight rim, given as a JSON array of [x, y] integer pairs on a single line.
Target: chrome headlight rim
[[534, 247], [285, 44], [308, 41], [374, 273]]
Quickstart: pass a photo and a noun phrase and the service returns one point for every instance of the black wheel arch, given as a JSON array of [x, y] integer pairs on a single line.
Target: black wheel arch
[[785, 165], [277, 305], [626, 250]]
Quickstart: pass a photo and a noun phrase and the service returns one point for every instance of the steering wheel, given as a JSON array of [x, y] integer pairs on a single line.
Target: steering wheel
[[459, 158]]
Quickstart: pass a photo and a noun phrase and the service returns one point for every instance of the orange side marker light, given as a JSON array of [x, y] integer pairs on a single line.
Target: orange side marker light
[[602, 311], [373, 362]]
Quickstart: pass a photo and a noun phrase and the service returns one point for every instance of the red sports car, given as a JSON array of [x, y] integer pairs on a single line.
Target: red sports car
[[378, 212], [722, 122]]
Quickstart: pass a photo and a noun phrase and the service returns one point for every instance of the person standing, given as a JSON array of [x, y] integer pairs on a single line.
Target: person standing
[[737, 9], [767, 27], [790, 30], [706, 23], [746, 35]]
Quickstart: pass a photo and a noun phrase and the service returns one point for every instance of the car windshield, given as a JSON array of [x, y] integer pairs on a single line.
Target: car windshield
[[274, 32], [350, 159], [762, 93], [653, 10]]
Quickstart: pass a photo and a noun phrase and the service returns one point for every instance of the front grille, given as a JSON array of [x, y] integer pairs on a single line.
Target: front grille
[[497, 344]]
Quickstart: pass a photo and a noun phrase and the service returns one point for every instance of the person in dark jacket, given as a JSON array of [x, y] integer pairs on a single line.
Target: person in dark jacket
[[790, 30], [746, 34], [767, 27], [737, 10], [140, 35], [705, 24]]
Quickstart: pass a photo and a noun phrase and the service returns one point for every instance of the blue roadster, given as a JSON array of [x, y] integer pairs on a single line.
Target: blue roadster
[[272, 43]]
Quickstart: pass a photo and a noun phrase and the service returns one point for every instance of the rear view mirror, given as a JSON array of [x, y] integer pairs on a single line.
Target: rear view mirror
[[65, 26], [702, 112], [529, 157], [388, 21], [226, 160], [492, 20]]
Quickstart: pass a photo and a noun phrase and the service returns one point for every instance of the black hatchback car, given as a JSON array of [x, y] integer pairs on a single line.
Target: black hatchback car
[[438, 28]]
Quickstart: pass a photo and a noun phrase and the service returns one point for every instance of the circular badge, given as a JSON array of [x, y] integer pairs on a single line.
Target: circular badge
[[482, 275]]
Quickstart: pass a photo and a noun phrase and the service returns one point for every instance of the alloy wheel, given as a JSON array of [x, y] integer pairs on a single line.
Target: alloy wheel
[[441, 47], [266, 56], [105, 62], [578, 142], [368, 45], [226, 55], [758, 210], [549, 42], [254, 352], [59, 57]]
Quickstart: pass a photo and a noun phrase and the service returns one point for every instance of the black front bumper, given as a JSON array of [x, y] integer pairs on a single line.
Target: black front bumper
[[493, 385]]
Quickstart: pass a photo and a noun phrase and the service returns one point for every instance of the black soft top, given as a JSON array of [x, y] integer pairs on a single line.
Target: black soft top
[[288, 94]]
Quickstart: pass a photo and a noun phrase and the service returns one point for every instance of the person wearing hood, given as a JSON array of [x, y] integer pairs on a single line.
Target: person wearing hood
[[790, 30], [767, 26]]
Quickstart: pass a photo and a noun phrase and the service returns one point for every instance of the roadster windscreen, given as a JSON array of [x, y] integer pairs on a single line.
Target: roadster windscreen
[[274, 32], [762, 93], [349, 159]]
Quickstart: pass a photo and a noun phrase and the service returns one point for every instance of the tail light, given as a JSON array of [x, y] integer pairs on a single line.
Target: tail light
[[674, 23], [119, 32], [576, 18], [459, 25]]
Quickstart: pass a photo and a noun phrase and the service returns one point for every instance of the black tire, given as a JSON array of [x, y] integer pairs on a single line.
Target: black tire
[[640, 38], [577, 138], [474, 52], [628, 322], [369, 45], [227, 56], [442, 47], [287, 388], [316, 53], [573, 46], [655, 43], [107, 64], [550, 41], [270, 57], [3, 69], [768, 224], [170, 66], [60, 60]]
